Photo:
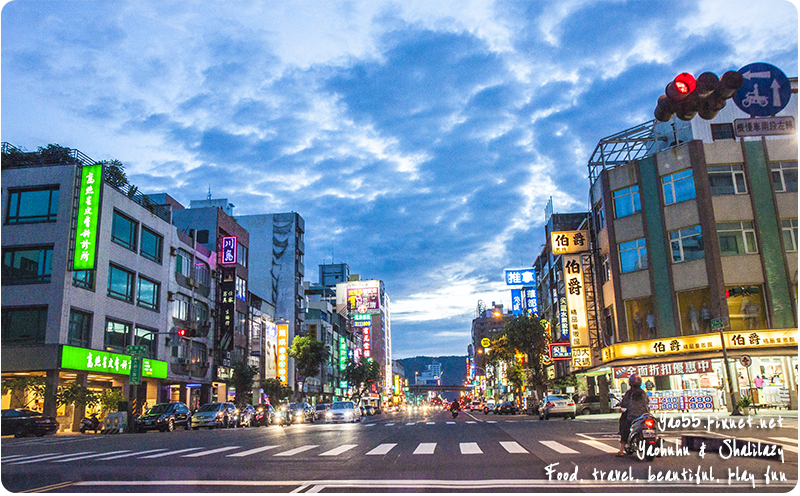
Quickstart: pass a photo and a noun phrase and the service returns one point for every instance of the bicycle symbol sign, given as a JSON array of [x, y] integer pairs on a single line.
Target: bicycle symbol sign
[[765, 92]]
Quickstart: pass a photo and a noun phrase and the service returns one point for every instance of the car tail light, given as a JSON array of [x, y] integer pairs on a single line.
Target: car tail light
[[649, 423], [571, 403], [549, 405]]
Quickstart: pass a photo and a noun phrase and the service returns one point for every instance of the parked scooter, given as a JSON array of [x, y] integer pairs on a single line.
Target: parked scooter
[[90, 424], [643, 438]]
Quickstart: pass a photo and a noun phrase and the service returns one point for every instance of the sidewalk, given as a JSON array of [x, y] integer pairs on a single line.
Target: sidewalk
[[766, 412]]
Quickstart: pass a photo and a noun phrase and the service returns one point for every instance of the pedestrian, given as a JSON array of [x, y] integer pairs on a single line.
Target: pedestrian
[[635, 403], [758, 382]]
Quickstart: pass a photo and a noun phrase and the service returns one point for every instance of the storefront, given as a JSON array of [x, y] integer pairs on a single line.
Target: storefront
[[688, 373]]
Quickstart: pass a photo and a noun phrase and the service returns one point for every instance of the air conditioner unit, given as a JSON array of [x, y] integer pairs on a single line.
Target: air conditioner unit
[[170, 296], [173, 251]]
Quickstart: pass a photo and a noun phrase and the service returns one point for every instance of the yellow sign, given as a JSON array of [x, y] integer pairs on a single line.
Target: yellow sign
[[581, 357], [283, 358], [576, 301], [569, 242], [485, 342], [699, 343]]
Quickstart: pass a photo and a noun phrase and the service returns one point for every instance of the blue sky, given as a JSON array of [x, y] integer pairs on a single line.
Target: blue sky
[[419, 140]]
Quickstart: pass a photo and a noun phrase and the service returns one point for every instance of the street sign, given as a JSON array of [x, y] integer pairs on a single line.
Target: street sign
[[745, 360], [136, 370], [765, 92], [717, 324], [138, 349], [764, 126]]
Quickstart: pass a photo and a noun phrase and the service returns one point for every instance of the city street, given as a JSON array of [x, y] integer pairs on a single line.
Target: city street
[[428, 451]]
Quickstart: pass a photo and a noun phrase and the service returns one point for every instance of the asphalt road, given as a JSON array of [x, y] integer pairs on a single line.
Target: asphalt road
[[416, 452]]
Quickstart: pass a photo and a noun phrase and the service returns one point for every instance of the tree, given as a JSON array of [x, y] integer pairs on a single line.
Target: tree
[[362, 376], [115, 173], [309, 355], [74, 393], [243, 376], [516, 377], [527, 335], [24, 390], [109, 400], [275, 391]]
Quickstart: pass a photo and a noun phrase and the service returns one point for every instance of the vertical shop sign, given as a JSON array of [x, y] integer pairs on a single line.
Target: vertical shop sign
[[531, 302], [516, 301], [342, 352], [88, 217], [229, 250], [227, 311], [283, 359], [563, 317], [576, 301]]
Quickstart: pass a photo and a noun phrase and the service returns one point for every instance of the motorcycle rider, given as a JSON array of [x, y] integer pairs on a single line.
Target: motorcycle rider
[[455, 407], [635, 402]]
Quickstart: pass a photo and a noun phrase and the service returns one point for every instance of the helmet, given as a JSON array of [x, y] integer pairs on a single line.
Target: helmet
[[635, 381]]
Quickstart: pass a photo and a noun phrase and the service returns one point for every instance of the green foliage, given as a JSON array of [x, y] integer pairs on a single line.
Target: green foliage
[[25, 390], [363, 375], [73, 393], [516, 377], [243, 376], [109, 400], [115, 173], [51, 154], [309, 355], [743, 402], [275, 391]]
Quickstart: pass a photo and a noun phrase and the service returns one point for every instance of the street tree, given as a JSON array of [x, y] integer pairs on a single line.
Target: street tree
[[309, 355], [362, 376], [275, 391], [524, 335], [243, 376], [24, 391]]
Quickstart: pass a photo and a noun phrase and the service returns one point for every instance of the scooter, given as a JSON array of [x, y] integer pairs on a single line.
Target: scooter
[[455, 413], [90, 424], [285, 416], [643, 439]]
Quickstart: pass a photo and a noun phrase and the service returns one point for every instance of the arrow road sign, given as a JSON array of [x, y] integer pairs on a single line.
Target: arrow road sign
[[765, 92]]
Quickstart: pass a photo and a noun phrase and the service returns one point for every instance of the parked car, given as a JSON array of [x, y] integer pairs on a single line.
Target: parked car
[[367, 410], [321, 411], [301, 412], [556, 405], [213, 415], [592, 404], [22, 422], [165, 417], [344, 411], [489, 408], [506, 407], [246, 413], [263, 415]]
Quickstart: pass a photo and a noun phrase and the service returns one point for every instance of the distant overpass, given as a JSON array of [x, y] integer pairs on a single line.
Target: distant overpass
[[419, 388]]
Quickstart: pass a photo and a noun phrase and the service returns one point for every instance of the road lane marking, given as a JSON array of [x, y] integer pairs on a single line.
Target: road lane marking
[[514, 421], [49, 488], [425, 449], [471, 422], [411, 423], [470, 449], [368, 425], [210, 452], [430, 423], [390, 423], [90, 456], [50, 458], [491, 421], [132, 454], [451, 423], [556, 446], [159, 455], [513, 447], [252, 451], [338, 451], [599, 445], [24, 457], [295, 451], [382, 449]]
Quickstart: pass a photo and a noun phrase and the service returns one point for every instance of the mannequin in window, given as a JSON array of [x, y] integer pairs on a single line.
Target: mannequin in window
[[694, 319]]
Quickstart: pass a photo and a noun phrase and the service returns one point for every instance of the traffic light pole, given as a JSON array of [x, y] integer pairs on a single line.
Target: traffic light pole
[[133, 389], [735, 407]]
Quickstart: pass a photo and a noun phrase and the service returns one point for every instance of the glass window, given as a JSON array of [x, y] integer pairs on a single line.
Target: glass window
[[32, 205], [180, 306], [183, 263], [633, 255], [606, 274], [80, 328], [27, 265], [241, 323], [736, 238], [640, 319], [678, 187], [152, 245], [26, 325], [116, 336], [146, 337], [747, 312], [123, 231], [626, 201], [599, 216], [784, 176], [241, 288], [120, 283], [202, 273], [241, 255], [687, 244], [148, 294], [201, 311], [789, 229], [722, 131], [727, 180], [83, 279]]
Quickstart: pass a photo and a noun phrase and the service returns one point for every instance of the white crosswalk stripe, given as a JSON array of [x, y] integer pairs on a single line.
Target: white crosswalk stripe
[[451, 423], [513, 447], [168, 453], [430, 423], [26, 457], [252, 451], [555, 445], [382, 449], [210, 452], [470, 449], [599, 445], [33, 460], [491, 421], [295, 451], [338, 451], [135, 453], [425, 449], [411, 423], [368, 425], [389, 424], [471, 422], [67, 460]]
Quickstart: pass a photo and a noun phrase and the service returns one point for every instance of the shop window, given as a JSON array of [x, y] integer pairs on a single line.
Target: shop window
[[737, 238], [146, 337], [694, 308], [83, 279], [183, 263], [180, 306], [687, 244], [789, 230], [24, 325], [152, 245], [722, 131], [678, 187], [123, 231], [727, 180], [633, 255], [32, 205], [747, 312], [626, 201], [640, 319], [784, 176], [148, 294], [80, 329], [120, 283], [117, 336], [30, 265]]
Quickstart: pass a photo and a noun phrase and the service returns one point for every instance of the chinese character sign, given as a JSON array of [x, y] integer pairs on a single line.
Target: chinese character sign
[[283, 358], [516, 301], [342, 352], [564, 242], [559, 351], [518, 277], [576, 301], [227, 315], [581, 357], [531, 301], [88, 217], [363, 300], [229, 250]]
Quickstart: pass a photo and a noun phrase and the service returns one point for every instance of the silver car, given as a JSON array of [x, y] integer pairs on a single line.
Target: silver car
[[556, 405], [343, 411], [213, 415]]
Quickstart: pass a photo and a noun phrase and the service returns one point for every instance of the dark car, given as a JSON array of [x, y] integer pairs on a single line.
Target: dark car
[[506, 407], [164, 417], [263, 415], [246, 414], [321, 411], [592, 404], [22, 423], [301, 412]]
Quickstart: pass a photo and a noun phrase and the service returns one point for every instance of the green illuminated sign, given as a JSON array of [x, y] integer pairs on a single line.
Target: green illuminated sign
[[108, 363], [342, 353], [88, 212]]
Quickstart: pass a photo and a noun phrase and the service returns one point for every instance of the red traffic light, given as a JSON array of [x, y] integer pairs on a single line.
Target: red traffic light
[[187, 333], [681, 86], [182, 333]]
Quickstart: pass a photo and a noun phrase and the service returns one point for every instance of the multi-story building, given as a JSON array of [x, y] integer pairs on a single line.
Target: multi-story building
[[487, 325], [263, 343], [682, 213]]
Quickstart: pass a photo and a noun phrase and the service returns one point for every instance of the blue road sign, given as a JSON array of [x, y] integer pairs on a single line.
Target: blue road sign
[[766, 90]]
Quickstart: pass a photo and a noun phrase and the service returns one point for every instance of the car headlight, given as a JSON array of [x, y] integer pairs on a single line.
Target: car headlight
[[329, 414]]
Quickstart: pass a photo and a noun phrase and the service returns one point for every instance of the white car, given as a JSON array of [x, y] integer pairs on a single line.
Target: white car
[[343, 411]]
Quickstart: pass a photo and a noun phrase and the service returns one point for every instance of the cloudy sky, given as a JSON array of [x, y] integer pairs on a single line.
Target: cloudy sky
[[419, 140]]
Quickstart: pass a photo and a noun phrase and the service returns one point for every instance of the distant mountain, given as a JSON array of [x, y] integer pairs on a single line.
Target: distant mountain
[[454, 368]]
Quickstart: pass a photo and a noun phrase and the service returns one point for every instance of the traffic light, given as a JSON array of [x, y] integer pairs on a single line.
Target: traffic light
[[187, 333], [686, 96], [741, 291]]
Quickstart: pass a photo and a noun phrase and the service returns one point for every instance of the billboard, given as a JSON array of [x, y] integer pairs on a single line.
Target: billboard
[[576, 301], [531, 299], [88, 217], [569, 242], [363, 297], [229, 250], [518, 277], [227, 314], [283, 357]]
